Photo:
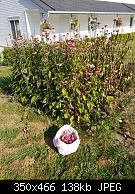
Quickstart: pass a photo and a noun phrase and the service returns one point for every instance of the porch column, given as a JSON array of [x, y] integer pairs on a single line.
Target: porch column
[[27, 25]]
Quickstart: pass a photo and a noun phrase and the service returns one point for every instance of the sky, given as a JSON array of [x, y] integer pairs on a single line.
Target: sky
[[121, 1]]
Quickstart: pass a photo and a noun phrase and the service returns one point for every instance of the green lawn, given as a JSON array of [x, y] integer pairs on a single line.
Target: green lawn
[[34, 157]]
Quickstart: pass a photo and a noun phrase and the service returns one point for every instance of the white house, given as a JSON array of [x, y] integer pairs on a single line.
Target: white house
[[68, 18], [93, 18], [19, 17]]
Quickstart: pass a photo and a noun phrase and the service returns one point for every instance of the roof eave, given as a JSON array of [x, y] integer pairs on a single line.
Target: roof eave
[[91, 12]]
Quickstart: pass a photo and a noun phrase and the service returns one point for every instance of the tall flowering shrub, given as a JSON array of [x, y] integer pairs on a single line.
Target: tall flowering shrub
[[73, 81]]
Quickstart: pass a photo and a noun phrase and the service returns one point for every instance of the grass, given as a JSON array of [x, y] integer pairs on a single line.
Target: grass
[[8, 135], [34, 157], [5, 79]]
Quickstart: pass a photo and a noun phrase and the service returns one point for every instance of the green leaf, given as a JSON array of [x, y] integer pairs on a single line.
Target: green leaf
[[121, 67], [44, 101], [80, 110], [78, 101], [110, 98], [85, 111], [90, 105], [34, 99], [78, 91], [58, 118], [66, 115], [38, 84], [94, 93], [54, 103], [82, 106], [50, 106], [64, 92], [39, 112], [84, 97], [86, 117], [71, 119], [50, 74], [57, 106], [23, 99]]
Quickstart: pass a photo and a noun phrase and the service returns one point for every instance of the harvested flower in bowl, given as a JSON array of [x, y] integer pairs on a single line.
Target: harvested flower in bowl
[[68, 137]]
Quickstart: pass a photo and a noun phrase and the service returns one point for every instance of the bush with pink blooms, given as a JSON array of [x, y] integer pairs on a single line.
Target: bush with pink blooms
[[74, 81]]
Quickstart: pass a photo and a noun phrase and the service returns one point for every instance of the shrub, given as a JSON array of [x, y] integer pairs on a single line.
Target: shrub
[[7, 57], [0, 58], [73, 81]]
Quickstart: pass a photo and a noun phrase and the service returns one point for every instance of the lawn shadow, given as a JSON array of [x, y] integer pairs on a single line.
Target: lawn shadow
[[5, 85], [49, 134]]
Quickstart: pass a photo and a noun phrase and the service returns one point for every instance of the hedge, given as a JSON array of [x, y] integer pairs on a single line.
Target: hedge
[[74, 81]]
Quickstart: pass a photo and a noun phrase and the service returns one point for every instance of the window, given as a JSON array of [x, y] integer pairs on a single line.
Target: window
[[15, 28], [131, 22]]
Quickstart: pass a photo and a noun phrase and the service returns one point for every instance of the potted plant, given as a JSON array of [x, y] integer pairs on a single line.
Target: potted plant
[[45, 25], [74, 24], [118, 22], [94, 23]]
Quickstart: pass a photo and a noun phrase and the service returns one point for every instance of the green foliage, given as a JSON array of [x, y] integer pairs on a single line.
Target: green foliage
[[121, 165], [5, 85], [73, 82], [0, 58], [87, 162], [7, 57], [16, 143], [36, 151]]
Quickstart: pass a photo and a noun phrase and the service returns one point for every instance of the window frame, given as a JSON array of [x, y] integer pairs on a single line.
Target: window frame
[[11, 31]]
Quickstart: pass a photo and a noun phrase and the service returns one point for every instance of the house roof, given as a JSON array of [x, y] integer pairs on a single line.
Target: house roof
[[85, 6], [43, 5], [131, 6]]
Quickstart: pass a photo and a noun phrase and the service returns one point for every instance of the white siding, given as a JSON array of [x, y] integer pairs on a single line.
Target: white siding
[[33, 23], [83, 20], [12, 9], [61, 23], [108, 20], [55, 22]]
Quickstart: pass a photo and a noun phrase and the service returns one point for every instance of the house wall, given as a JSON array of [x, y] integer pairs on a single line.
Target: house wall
[[33, 22], [83, 21], [12, 9], [108, 20], [30, 15], [61, 23]]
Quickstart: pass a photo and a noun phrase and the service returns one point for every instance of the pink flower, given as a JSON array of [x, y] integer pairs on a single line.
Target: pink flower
[[90, 65], [68, 137], [89, 74], [74, 78]]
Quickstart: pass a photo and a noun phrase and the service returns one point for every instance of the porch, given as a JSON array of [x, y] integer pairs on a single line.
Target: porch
[[72, 25]]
